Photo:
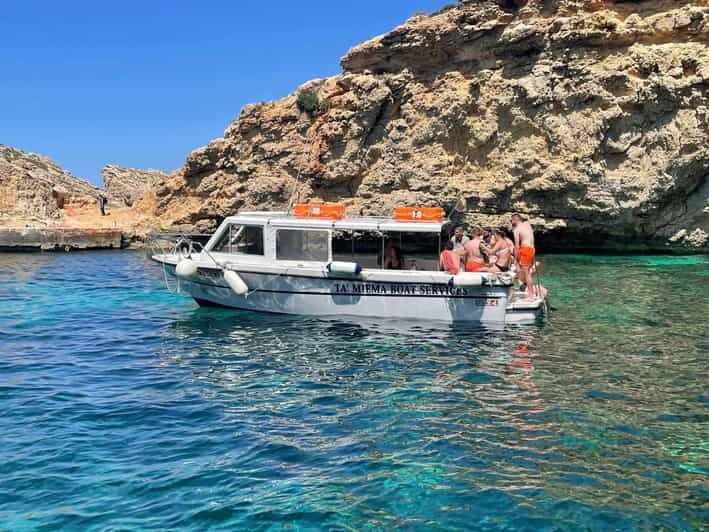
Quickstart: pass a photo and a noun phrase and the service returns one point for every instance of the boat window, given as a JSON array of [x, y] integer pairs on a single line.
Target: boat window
[[243, 239], [416, 251], [362, 247], [297, 244]]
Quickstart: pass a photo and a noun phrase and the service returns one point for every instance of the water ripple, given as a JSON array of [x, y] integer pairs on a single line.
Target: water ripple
[[126, 407]]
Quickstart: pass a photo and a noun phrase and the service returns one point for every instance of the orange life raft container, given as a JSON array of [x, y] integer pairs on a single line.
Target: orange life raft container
[[418, 214], [323, 211]]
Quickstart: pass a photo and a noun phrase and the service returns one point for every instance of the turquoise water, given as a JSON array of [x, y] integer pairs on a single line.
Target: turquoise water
[[127, 407]]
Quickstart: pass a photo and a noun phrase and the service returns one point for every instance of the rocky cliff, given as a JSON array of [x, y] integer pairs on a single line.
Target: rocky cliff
[[45, 207], [34, 189], [123, 186], [589, 116]]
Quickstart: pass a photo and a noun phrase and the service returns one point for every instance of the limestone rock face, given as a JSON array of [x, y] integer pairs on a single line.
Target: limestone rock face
[[123, 186], [590, 116], [34, 188]]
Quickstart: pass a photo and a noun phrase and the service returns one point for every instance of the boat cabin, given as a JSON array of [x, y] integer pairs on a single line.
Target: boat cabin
[[326, 235]]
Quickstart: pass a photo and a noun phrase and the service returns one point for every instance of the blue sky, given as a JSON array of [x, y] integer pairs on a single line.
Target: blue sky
[[142, 83]]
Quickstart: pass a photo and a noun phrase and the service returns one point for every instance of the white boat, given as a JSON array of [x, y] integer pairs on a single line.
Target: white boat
[[317, 262]]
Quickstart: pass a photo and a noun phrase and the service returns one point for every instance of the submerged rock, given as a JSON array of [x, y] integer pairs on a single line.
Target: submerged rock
[[589, 116]]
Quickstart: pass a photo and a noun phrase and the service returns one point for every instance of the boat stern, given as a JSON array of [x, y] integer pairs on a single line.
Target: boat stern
[[525, 310]]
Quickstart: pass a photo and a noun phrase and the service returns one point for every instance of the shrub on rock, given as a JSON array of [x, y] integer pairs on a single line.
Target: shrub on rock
[[308, 101]]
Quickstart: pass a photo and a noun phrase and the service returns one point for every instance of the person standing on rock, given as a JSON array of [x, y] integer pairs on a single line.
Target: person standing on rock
[[524, 251], [102, 203]]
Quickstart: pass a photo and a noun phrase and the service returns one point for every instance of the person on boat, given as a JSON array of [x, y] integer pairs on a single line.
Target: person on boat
[[393, 259], [524, 251], [488, 241], [450, 259], [474, 260], [459, 239], [500, 250], [509, 238]]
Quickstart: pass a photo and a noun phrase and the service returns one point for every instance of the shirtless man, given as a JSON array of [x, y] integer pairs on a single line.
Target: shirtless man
[[524, 251], [474, 258]]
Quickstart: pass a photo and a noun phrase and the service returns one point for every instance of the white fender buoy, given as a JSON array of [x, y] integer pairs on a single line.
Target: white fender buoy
[[468, 279], [186, 268], [351, 268], [235, 282]]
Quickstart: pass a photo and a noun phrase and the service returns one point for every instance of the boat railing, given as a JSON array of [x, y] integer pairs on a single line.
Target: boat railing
[[182, 245], [174, 243]]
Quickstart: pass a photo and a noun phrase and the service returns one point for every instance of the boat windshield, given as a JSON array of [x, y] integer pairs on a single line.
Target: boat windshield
[[242, 239]]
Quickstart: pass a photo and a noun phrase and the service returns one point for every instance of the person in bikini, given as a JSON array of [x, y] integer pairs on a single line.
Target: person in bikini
[[501, 250], [524, 251], [507, 235], [475, 262]]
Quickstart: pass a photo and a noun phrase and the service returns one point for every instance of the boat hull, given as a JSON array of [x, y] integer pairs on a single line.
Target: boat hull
[[323, 296]]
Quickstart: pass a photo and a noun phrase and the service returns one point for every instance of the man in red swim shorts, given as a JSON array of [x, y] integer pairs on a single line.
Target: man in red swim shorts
[[524, 251], [474, 260]]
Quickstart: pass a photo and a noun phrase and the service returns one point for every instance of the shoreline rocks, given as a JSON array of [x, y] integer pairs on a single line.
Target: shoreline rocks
[[53, 239], [591, 117], [43, 207], [124, 186], [33, 186]]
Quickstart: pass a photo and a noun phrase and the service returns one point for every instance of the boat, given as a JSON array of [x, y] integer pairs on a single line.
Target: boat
[[316, 261]]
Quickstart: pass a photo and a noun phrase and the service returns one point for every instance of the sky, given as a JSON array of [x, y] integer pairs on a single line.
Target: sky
[[143, 83]]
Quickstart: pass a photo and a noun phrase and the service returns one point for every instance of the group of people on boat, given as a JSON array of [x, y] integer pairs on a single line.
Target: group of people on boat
[[493, 250]]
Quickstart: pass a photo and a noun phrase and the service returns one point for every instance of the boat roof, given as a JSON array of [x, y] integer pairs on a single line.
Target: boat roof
[[362, 223]]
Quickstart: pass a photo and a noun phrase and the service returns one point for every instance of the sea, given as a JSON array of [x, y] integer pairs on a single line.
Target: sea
[[125, 406]]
